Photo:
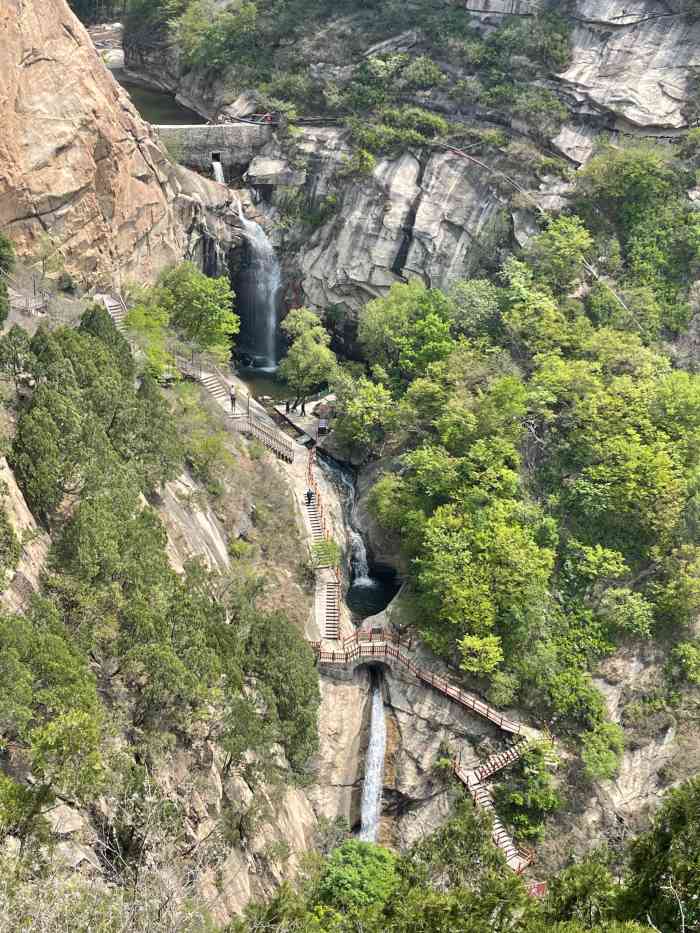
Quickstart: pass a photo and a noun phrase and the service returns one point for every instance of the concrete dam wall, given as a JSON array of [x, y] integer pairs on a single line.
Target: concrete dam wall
[[232, 144]]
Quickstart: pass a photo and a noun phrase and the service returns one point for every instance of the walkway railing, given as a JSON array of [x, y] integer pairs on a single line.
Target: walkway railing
[[362, 651], [281, 445]]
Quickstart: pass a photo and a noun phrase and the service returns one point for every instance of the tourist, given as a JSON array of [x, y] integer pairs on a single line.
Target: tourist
[[232, 393], [309, 496]]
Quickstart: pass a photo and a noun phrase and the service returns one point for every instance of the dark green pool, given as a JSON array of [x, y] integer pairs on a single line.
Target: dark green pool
[[157, 106]]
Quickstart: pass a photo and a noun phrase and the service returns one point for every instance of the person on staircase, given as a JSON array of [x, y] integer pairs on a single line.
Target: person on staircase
[[232, 394], [309, 497]]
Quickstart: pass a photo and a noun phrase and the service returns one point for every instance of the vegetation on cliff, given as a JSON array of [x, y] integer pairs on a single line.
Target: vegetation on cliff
[[268, 45], [120, 658], [542, 446], [453, 881]]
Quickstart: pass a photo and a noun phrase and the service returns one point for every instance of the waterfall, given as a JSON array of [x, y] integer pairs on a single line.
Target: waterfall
[[358, 561], [218, 172], [374, 765], [370, 592], [258, 291]]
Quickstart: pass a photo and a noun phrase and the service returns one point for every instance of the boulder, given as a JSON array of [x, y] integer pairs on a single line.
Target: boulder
[[268, 171]]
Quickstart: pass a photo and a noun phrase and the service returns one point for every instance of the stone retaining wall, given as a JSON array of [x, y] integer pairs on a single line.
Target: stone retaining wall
[[236, 143]]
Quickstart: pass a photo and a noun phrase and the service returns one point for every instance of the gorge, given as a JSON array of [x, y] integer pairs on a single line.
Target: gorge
[[483, 220]]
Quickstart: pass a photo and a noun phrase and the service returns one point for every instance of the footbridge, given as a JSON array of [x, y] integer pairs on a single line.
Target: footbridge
[[388, 648]]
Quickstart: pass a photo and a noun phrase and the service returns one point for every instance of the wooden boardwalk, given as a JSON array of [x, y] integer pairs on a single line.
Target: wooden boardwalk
[[385, 647]]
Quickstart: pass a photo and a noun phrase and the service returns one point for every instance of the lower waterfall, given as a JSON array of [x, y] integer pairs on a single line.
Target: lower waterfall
[[258, 290], [374, 764]]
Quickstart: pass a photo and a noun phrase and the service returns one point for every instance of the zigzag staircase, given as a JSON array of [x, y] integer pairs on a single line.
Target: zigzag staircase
[[385, 646]]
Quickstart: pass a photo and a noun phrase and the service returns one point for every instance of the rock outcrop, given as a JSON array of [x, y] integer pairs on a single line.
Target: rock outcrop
[[80, 164], [34, 542], [432, 218], [635, 62]]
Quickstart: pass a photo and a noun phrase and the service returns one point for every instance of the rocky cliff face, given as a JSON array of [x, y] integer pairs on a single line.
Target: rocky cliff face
[[80, 164], [633, 63], [433, 214]]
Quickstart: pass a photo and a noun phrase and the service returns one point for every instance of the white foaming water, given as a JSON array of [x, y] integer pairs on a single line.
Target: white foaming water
[[358, 561], [218, 172], [374, 767], [258, 292]]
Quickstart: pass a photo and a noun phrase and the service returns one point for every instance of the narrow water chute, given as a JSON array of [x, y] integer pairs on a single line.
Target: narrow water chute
[[374, 765]]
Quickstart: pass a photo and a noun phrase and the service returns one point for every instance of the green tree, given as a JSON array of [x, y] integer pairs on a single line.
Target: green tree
[[663, 875], [528, 793], [366, 415], [309, 362], [148, 321], [406, 330], [7, 264], [601, 750], [357, 875], [15, 356], [558, 255], [200, 308], [475, 307], [586, 892]]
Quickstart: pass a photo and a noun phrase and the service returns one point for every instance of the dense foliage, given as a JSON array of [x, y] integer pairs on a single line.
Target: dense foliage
[[187, 303], [380, 98], [454, 881], [309, 362], [7, 262], [541, 449], [172, 653]]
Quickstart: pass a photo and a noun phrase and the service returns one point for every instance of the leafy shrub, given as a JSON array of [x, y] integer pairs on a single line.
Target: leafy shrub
[[528, 793], [423, 72], [601, 750], [357, 875]]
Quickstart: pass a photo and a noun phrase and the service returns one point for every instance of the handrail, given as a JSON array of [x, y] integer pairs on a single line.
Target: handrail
[[386, 650]]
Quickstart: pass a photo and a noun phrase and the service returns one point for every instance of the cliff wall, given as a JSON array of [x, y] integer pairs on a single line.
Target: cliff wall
[[80, 164]]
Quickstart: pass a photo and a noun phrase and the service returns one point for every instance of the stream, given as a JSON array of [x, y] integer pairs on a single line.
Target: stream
[[157, 106], [371, 590], [372, 587]]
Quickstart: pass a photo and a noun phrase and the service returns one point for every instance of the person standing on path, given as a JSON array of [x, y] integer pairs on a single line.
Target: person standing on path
[[232, 393]]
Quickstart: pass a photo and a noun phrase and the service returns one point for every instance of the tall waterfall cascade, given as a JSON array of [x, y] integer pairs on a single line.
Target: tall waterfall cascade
[[259, 287], [374, 766]]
